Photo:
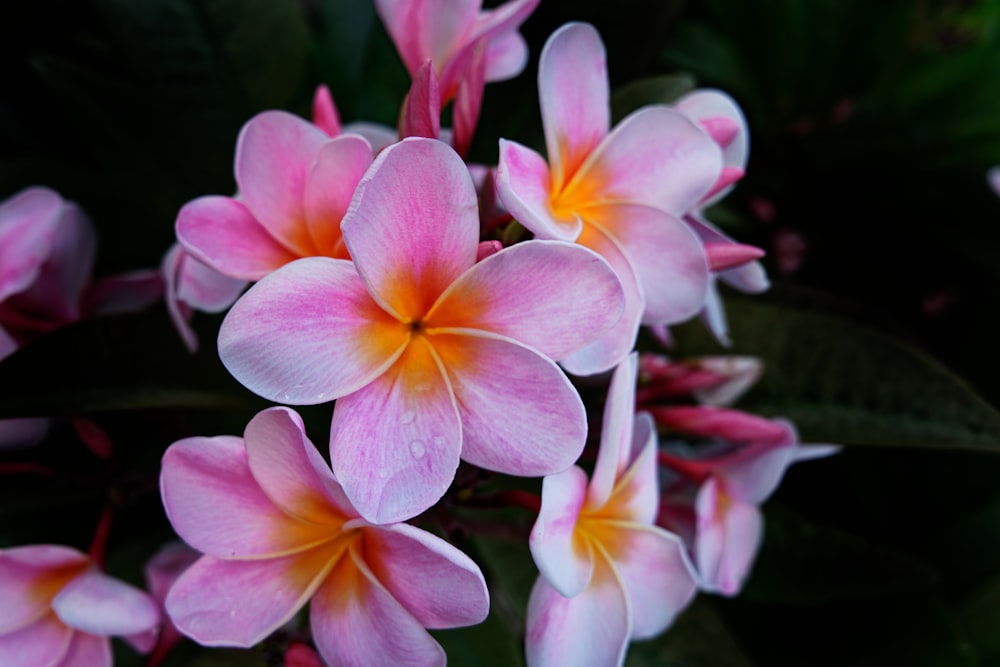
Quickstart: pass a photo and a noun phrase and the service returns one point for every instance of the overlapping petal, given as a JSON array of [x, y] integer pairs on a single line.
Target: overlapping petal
[[43, 643], [222, 233], [355, 621], [616, 451], [435, 582], [97, 604], [728, 537], [274, 152], [29, 222], [32, 575], [332, 179], [525, 186], [589, 629], [87, 651], [394, 467], [309, 333], [514, 292], [565, 560], [413, 230]]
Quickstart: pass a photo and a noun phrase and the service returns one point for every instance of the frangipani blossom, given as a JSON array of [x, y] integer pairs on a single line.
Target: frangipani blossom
[[466, 47], [430, 355], [711, 380], [608, 575], [277, 531], [295, 184], [713, 500], [60, 610], [621, 193]]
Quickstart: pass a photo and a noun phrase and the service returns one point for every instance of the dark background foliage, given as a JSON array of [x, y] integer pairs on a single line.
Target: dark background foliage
[[872, 127]]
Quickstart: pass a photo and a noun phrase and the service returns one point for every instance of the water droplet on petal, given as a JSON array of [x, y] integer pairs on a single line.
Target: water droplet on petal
[[407, 417], [417, 449]]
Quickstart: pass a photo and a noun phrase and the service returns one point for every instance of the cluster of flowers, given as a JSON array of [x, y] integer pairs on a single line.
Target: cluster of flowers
[[380, 283]]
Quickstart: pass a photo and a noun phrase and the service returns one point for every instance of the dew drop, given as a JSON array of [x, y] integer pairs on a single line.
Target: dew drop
[[407, 417], [417, 449], [439, 440]]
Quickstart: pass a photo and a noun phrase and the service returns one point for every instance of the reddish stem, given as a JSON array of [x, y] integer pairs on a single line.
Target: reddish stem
[[100, 540], [26, 468]]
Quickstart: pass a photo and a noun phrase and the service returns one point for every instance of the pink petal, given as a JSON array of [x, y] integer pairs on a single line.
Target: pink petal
[[655, 157], [413, 226], [573, 93], [499, 27], [516, 291], [469, 99], [506, 55], [707, 105], [29, 222], [436, 583], [162, 570], [377, 135], [755, 471], [101, 605], [216, 506], [309, 333], [728, 537], [564, 558], [524, 185], [41, 644], [222, 233], [87, 651], [657, 575], [636, 496], [324, 111], [29, 577], [589, 629], [421, 115], [615, 453], [614, 343], [273, 155], [395, 443], [750, 278], [423, 29], [123, 293], [338, 169], [667, 257], [355, 621], [290, 471], [520, 415], [239, 603]]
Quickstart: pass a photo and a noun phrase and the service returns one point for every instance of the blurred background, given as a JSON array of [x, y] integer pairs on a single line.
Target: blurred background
[[873, 126]]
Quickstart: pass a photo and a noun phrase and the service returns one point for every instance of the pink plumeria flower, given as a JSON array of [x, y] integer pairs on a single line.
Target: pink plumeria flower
[[192, 285], [467, 48], [731, 262], [60, 610], [295, 184], [714, 500], [608, 574], [430, 355], [620, 193], [277, 530]]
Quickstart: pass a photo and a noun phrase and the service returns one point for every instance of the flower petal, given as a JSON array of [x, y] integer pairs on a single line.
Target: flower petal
[[395, 444], [29, 577], [591, 628], [750, 278], [331, 182], [520, 414], [667, 257], [728, 537], [524, 185], [309, 333], [273, 155], [702, 105], [123, 292], [657, 575], [101, 605], [573, 94], [239, 603], [636, 496], [563, 557], [617, 341], [615, 453], [290, 471], [216, 506], [355, 621], [506, 55], [222, 233], [435, 582], [413, 226], [423, 29], [87, 651], [29, 222], [516, 292], [655, 157], [41, 644]]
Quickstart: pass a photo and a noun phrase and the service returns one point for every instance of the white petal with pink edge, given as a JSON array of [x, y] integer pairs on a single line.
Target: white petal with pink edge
[[524, 185], [101, 605], [563, 557]]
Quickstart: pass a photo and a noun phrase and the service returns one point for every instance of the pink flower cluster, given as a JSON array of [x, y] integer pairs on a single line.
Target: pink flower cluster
[[377, 285]]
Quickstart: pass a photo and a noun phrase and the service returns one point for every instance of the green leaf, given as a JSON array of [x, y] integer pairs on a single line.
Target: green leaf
[[654, 90], [843, 382], [115, 363], [698, 638], [807, 563]]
